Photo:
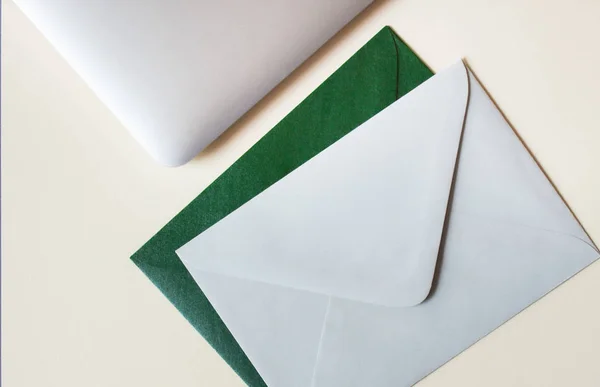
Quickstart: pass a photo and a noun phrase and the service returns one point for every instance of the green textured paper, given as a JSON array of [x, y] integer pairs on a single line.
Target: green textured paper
[[383, 70]]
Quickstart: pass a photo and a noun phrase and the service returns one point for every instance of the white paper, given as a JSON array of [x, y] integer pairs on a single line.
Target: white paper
[[352, 238]]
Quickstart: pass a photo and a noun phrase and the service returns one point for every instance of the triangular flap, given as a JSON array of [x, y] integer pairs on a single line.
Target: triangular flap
[[363, 219], [510, 240]]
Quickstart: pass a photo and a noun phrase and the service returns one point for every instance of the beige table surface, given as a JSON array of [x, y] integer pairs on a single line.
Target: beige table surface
[[79, 196]]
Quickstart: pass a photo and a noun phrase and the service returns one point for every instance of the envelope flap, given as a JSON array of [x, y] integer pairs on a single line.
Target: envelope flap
[[363, 219]]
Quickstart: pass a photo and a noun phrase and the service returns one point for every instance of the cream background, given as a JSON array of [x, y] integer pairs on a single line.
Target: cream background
[[79, 196]]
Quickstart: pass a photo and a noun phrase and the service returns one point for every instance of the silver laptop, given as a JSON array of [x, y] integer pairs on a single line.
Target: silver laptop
[[177, 73]]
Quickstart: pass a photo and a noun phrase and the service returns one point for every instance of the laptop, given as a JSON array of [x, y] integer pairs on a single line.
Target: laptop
[[178, 73]]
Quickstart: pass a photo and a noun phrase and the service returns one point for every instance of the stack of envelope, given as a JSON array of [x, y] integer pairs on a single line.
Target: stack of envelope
[[385, 225]]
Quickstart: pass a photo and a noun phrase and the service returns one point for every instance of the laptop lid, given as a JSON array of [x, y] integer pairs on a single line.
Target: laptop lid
[[178, 73]]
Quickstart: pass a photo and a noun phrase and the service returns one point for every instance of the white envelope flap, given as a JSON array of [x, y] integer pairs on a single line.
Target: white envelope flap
[[362, 220]]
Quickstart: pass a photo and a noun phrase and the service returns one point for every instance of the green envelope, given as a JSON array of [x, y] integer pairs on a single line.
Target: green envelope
[[382, 71]]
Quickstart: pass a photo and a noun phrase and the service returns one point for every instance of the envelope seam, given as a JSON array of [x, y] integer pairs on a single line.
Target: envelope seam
[[450, 201], [508, 222], [321, 337]]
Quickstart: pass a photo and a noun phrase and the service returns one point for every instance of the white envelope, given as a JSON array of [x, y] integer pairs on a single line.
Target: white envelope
[[394, 249]]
